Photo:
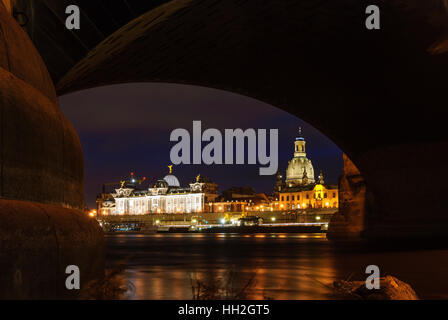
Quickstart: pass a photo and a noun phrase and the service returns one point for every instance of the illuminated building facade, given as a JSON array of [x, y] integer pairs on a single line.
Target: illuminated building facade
[[166, 196], [300, 190], [240, 199], [309, 196]]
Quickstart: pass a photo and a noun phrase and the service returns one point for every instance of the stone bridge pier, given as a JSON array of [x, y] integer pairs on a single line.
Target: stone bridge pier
[[42, 227]]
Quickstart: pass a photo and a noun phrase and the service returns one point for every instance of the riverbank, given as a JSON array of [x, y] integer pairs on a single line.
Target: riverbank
[[293, 221], [272, 228]]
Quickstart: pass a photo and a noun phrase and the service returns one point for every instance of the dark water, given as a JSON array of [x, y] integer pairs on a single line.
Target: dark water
[[281, 266]]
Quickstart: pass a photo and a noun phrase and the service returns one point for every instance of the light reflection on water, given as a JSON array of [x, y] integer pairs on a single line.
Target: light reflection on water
[[286, 266]]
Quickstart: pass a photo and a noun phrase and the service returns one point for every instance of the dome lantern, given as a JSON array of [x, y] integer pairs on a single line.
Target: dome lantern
[[299, 145]]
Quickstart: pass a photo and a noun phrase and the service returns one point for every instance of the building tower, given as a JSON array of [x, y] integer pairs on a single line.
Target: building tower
[[299, 145], [299, 164], [320, 179], [279, 184]]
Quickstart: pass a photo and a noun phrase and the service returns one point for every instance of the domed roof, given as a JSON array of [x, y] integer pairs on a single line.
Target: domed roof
[[161, 184], [296, 167], [172, 180]]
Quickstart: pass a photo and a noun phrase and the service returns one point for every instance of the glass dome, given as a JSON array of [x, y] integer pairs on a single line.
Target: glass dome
[[171, 180]]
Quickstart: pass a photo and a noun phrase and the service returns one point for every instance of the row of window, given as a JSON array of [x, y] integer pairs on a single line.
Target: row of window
[[304, 206], [293, 198], [139, 208]]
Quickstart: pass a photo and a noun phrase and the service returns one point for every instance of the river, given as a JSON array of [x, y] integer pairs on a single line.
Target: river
[[271, 266]]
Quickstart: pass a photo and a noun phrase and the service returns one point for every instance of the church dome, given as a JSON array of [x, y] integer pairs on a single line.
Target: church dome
[[296, 167], [172, 180]]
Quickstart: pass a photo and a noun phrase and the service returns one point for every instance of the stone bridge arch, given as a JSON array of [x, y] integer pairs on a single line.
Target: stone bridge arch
[[378, 94]]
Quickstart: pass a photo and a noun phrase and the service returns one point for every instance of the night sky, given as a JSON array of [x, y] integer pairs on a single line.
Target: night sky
[[127, 127]]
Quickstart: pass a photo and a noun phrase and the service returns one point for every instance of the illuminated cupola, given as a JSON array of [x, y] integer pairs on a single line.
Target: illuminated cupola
[[299, 164], [299, 145]]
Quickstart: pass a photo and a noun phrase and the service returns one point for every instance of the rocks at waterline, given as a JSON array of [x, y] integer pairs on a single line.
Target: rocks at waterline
[[390, 289]]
